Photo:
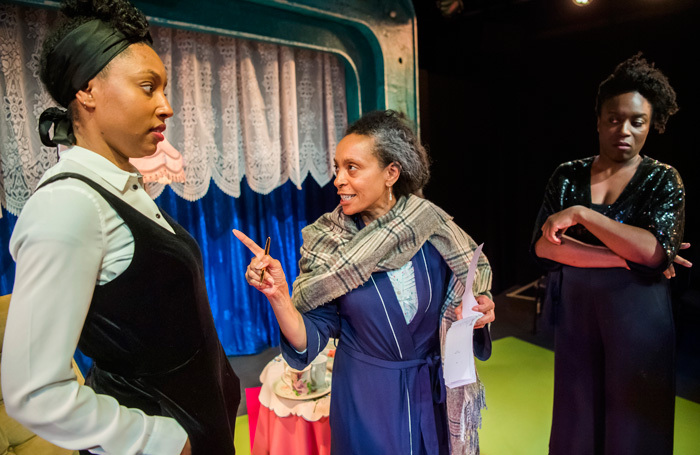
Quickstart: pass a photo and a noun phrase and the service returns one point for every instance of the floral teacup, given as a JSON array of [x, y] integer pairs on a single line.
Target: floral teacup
[[298, 380]]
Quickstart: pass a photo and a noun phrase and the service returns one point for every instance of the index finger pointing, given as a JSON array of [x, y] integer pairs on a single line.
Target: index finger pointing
[[252, 246]]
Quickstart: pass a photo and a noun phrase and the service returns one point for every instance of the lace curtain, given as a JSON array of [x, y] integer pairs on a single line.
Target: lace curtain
[[242, 108]]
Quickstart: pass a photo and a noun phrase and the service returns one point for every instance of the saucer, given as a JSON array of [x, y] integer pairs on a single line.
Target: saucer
[[284, 390]]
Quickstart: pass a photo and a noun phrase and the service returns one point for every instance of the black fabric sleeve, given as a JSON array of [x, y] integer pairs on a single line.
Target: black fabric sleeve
[[551, 204], [664, 217]]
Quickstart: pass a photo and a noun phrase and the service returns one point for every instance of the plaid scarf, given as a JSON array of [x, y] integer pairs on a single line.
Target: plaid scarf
[[337, 257]]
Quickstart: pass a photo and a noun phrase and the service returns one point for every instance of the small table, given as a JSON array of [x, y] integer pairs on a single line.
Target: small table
[[287, 426]]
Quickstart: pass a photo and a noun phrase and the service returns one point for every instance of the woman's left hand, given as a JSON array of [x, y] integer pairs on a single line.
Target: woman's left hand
[[556, 225], [486, 306], [670, 272]]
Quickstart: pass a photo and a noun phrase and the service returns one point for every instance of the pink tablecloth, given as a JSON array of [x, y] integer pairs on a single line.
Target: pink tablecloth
[[289, 427], [291, 435]]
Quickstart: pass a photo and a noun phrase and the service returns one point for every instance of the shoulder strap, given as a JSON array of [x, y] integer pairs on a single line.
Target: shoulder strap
[[73, 175], [117, 204]]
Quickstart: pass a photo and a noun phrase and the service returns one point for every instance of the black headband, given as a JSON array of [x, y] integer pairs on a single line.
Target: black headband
[[74, 61]]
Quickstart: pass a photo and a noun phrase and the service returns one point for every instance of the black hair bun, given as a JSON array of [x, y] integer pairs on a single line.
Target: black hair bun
[[121, 14]]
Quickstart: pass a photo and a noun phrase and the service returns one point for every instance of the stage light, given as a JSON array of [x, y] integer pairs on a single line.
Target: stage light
[[450, 8], [582, 2]]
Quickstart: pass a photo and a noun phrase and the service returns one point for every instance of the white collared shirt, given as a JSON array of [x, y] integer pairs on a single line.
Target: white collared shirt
[[67, 240]]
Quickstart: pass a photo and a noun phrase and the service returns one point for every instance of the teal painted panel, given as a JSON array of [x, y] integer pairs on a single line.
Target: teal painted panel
[[388, 24]]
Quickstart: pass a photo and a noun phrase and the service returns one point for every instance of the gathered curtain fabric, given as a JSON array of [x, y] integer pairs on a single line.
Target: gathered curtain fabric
[[242, 108], [255, 118]]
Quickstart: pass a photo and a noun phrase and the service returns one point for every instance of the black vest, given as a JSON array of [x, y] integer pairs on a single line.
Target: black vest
[[151, 333]]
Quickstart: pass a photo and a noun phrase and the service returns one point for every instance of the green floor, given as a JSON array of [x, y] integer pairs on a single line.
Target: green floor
[[519, 379], [241, 438]]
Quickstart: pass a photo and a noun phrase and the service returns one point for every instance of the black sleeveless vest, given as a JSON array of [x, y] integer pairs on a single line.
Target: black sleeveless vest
[[151, 334]]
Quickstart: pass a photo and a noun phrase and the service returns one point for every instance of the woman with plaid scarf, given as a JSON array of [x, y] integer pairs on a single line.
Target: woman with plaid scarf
[[384, 273]]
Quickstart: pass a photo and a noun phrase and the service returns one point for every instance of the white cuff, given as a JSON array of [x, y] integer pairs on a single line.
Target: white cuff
[[168, 437]]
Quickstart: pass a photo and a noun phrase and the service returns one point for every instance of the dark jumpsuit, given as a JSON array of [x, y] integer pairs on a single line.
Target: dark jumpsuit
[[614, 369]]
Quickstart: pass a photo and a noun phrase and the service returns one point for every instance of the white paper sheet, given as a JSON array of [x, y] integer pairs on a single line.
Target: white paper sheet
[[459, 368]]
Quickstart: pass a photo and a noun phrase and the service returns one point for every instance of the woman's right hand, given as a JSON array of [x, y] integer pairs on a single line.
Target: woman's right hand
[[556, 224], [187, 450], [274, 280], [275, 288]]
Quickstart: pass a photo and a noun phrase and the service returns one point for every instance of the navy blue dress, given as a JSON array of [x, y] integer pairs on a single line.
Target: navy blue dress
[[388, 390]]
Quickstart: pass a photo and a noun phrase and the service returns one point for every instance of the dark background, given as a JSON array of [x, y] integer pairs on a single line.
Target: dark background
[[507, 92]]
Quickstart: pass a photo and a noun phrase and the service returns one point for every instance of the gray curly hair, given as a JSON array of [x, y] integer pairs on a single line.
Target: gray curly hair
[[395, 142]]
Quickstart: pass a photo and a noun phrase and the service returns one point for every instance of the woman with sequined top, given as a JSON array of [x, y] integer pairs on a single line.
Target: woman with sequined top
[[608, 228]]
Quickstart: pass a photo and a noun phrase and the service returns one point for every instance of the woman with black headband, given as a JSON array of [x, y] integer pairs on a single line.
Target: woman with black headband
[[100, 267]]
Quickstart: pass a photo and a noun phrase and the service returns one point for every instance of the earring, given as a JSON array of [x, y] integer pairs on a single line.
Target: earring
[[390, 195], [84, 105]]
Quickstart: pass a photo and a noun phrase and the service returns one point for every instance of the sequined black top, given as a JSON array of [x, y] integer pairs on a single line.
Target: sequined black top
[[654, 199]]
